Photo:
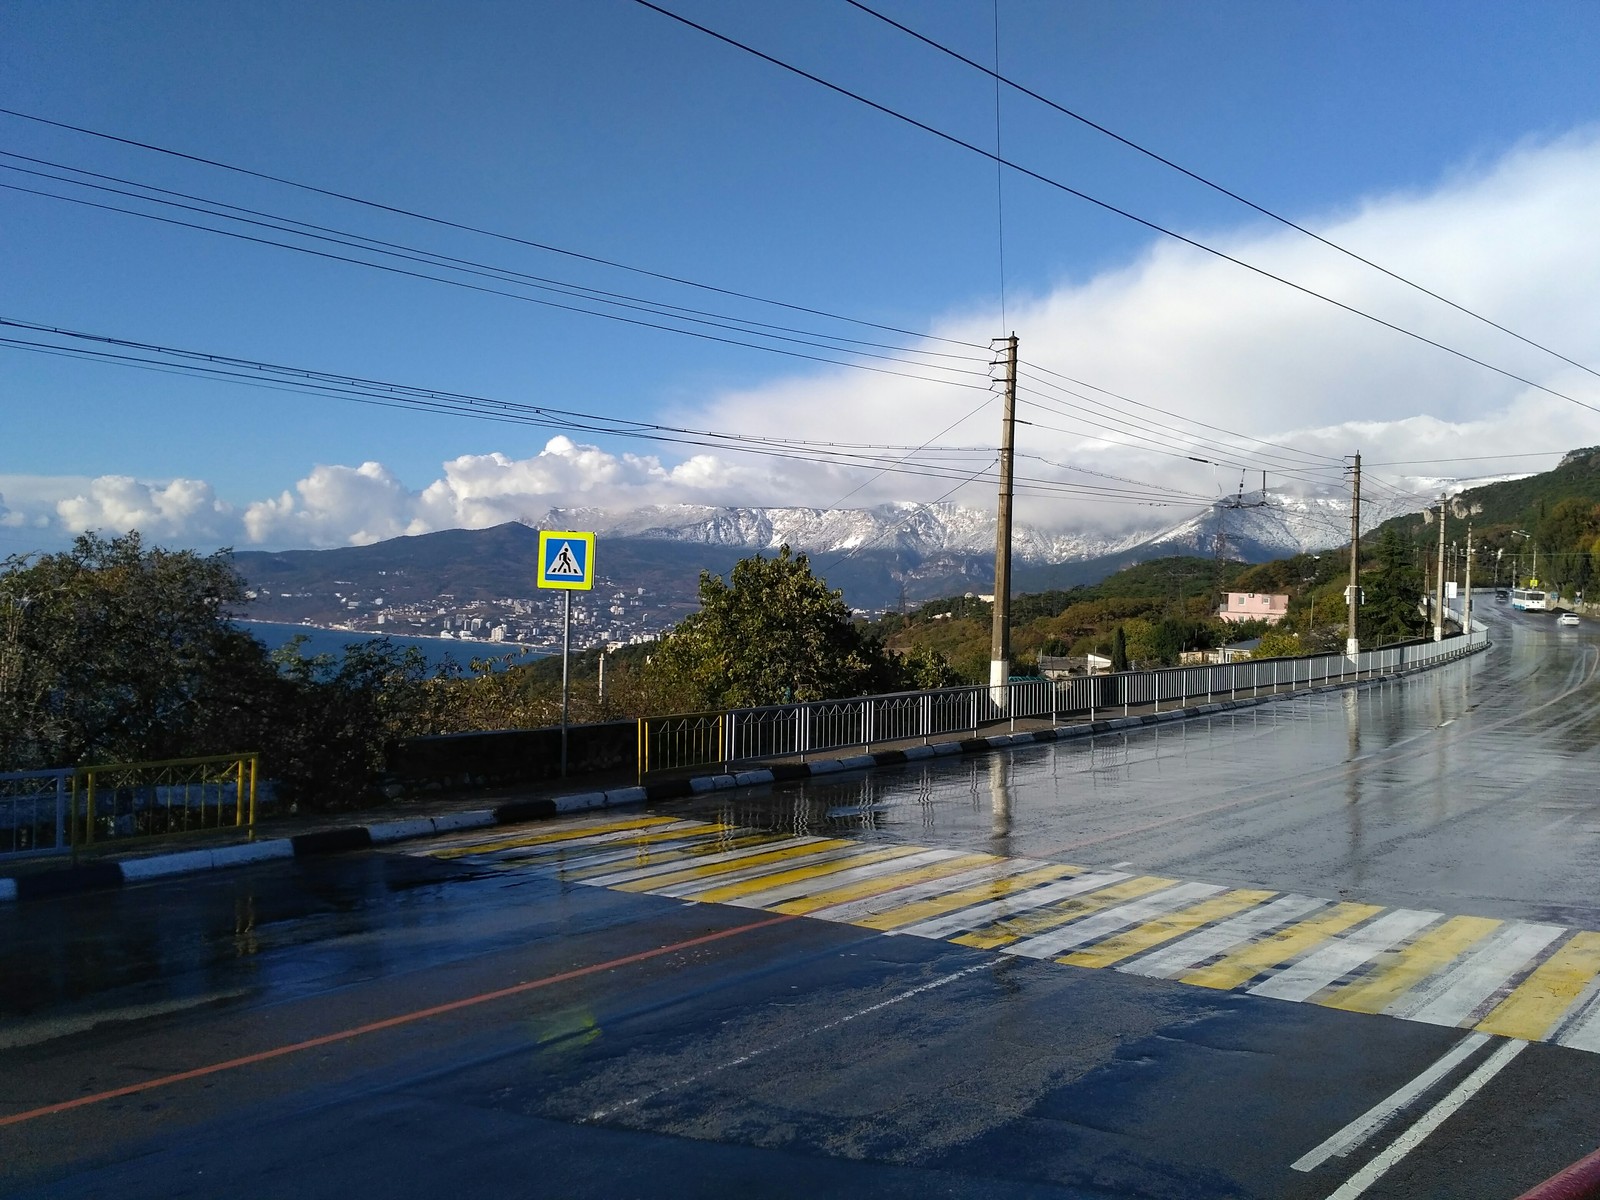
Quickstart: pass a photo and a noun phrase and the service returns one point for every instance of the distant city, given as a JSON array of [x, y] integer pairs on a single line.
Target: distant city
[[608, 615]]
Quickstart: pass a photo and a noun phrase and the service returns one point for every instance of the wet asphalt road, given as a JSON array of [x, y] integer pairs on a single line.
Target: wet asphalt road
[[547, 1038]]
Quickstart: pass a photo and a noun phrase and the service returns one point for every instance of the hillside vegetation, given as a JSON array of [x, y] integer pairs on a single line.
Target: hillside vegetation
[[1543, 530]]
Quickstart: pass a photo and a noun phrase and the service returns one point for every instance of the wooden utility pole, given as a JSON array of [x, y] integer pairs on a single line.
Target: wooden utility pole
[[1438, 611], [1000, 642], [1352, 595], [1466, 605]]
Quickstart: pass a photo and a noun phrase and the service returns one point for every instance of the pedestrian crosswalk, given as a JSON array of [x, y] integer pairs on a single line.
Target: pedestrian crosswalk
[[1528, 980]]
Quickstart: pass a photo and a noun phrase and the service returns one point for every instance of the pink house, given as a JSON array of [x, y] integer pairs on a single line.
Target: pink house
[[1270, 607]]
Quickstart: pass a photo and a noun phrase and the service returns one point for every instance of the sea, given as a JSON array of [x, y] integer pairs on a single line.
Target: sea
[[438, 651]]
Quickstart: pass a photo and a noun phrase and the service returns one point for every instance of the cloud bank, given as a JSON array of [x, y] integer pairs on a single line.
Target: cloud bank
[[1174, 338]]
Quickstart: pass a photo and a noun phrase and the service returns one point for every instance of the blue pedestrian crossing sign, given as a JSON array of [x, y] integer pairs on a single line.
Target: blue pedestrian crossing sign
[[566, 560]]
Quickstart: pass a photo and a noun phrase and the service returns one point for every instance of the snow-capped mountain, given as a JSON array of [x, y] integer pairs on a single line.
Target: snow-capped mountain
[[1252, 529]]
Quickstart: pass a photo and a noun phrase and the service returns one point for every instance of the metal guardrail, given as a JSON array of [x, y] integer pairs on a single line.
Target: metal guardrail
[[34, 812], [50, 812], [795, 730]]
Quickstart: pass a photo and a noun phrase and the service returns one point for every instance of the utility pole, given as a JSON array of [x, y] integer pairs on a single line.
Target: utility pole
[[1466, 605], [1438, 612], [1352, 645], [1000, 643]]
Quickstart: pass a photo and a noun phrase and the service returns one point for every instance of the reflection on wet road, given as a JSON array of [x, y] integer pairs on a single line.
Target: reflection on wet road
[[1060, 970]]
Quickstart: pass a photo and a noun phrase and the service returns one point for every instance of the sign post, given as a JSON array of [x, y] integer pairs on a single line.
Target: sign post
[[566, 563]]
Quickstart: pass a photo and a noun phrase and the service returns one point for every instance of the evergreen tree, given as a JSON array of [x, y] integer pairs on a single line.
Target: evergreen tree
[[1119, 650], [1392, 595]]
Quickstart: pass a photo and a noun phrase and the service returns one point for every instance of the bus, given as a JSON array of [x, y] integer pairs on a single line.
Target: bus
[[1529, 599]]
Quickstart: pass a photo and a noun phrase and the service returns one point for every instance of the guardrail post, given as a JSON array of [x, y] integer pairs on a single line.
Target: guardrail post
[[974, 710], [866, 726], [61, 810], [729, 726]]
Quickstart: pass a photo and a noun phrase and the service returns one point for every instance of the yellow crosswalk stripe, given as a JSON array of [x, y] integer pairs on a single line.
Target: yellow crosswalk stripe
[[732, 891], [710, 870], [1026, 924], [1249, 961], [1541, 998], [882, 884], [921, 910], [560, 835], [1398, 971], [1165, 928]]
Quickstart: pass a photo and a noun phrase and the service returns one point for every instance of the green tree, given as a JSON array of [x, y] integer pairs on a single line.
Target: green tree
[[1278, 644], [1392, 594], [1119, 650], [771, 633], [111, 652]]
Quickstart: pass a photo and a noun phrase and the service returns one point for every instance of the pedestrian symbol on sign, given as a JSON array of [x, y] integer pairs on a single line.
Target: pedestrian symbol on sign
[[564, 564]]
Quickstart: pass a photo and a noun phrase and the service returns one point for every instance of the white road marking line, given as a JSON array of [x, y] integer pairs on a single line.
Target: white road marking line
[[679, 850], [909, 994], [690, 840], [1581, 1027], [1455, 994], [1381, 1113], [1220, 938], [706, 883], [824, 883], [1098, 925], [620, 877], [493, 834], [856, 910], [1338, 958], [684, 829], [1011, 906], [1431, 1120]]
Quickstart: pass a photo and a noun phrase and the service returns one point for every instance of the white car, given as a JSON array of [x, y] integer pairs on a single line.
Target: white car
[[1568, 619]]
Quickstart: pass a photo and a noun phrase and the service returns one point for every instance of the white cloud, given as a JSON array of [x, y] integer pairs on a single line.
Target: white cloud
[[1176, 329], [182, 509]]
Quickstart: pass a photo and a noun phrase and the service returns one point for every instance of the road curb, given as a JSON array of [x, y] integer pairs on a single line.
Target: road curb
[[343, 839]]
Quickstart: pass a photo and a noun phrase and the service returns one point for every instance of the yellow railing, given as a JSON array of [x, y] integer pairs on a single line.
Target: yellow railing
[[684, 740], [161, 799]]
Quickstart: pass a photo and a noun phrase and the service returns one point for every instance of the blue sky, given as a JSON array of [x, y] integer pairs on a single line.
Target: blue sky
[[1453, 142]]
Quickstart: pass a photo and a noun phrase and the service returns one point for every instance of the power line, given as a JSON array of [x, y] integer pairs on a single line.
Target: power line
[[478, 230], [1111, 208], [513, 295], [391, 394], [207, 206], [1212, 184]]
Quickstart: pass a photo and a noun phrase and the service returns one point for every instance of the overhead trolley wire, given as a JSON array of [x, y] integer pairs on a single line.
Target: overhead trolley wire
[[1179, 416], [1109, 207], [1146, 427], [481, 231], [1212, 184]]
